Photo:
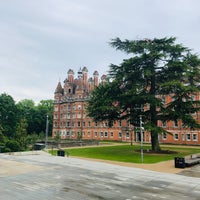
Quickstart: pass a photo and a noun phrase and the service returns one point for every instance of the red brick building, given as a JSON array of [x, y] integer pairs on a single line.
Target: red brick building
[[71, 120], [180, 134]]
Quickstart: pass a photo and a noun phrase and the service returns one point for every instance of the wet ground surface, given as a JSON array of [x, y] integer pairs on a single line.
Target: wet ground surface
[[46, 177], [192, 171]]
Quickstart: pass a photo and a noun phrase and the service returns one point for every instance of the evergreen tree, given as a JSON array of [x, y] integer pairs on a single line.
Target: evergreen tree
[[155, 68]]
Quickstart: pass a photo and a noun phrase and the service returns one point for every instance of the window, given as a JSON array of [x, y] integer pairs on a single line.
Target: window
[[68, 115], [120, 123], [68, 124], [56, 108], [119, 135], [164, 136], [127, 135], [176, 136], [88, 124], [69, 107], [194, 137], [175, 123], [79, 123], [95, 134], [188, 136], [163, 100], [164, 123], [79, 115], [79, 107], [79, 96], [111, 124], [83, 123], [101, 134], [193, 97], [96, 124], [106, 134], [88, 134], [111, 134]]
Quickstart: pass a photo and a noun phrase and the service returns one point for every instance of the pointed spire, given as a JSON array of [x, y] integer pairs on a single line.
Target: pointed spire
[[59, 88]]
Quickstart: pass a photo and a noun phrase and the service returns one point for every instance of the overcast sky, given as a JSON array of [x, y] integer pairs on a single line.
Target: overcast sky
[[40, 40]]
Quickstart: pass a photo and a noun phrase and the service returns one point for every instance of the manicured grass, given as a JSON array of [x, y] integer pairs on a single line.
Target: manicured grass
[[127, 153]]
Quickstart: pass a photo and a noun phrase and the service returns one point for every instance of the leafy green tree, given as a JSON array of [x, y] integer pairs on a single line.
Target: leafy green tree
[[12, 146], [44, 108], [21, 133], [154, 69], [8, 112], [57, 139], [26, 110], [36, 114], [32, 139]]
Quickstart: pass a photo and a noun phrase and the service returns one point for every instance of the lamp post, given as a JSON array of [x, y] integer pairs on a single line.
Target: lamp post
[[141, 139], [47, 127], [141, 132]]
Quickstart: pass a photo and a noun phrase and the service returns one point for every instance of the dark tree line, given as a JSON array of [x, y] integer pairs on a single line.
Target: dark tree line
[[22, 123]]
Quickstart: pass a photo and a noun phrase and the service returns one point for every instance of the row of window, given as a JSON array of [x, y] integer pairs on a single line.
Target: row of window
[[184, 137], [64, 133], [84, 124], [69, 107], [70, 115]]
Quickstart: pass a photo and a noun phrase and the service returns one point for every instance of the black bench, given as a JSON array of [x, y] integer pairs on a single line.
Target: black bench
[[181, 162], [192, 161]]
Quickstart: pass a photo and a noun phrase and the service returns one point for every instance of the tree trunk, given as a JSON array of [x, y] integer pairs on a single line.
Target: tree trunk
[[155, 146]]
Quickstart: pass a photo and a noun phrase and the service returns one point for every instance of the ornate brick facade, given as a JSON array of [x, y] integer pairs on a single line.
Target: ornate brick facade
[[71, 120], [70, 117]]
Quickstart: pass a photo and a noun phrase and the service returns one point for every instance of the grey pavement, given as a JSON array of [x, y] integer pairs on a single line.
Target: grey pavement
[[56, 178]]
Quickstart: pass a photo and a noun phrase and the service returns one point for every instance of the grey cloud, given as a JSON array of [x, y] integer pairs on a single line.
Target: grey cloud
[[41, 40]]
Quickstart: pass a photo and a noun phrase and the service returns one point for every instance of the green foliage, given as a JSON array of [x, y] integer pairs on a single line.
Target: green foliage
[[8, 116], [36, 115], [32, 138], [102, 108], [156, 68], [12, 146], [57, 138], [18, 121], [21, 133]]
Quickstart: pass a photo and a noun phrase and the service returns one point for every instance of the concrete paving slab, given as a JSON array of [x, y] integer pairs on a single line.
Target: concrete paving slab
[[50, 177]]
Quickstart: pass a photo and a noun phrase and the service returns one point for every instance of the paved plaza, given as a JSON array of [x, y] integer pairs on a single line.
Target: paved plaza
[[40, 176]]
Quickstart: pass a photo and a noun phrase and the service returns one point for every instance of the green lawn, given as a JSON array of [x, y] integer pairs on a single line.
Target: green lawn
[[127, 153]]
